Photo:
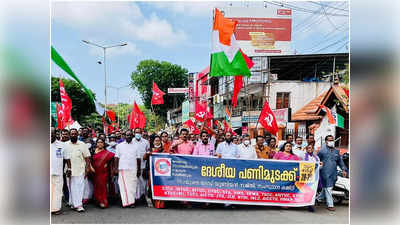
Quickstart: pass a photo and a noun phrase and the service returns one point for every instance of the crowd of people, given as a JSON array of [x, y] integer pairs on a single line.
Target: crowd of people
[[88, 166]]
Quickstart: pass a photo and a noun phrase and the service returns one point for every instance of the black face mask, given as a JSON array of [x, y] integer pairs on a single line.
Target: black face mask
[[53, 139], [129, 139], [228, 140], [74, 139]]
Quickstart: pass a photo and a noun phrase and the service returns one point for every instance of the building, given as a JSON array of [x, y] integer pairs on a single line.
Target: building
[[286, 82], [313, 118]]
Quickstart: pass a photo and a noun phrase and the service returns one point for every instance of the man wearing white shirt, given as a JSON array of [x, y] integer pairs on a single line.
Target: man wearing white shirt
[[246, 151], [298, 148], [80, 163], [227, 149], [142, 146], [127, 163], [58, 153]]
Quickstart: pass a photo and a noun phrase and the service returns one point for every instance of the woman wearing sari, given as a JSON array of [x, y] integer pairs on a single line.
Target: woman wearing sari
[[101, 162], [158, 148], [286, 153]]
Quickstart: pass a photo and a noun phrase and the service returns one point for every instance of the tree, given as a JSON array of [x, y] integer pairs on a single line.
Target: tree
[[166, 75], [93, 120], [81, 103]]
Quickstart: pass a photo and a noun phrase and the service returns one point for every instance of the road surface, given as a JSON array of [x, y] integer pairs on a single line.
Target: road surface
[[197, 215]]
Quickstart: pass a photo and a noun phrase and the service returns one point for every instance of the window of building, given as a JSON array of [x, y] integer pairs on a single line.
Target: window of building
[[282, 100]]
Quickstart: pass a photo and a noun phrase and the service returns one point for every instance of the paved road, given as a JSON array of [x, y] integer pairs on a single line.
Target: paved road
[[197, 215]]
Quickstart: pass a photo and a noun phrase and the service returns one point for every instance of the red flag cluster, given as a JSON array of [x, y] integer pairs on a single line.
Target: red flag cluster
[[64, 110], [268, 120], [157, 98], [110, 127], [136, 118]]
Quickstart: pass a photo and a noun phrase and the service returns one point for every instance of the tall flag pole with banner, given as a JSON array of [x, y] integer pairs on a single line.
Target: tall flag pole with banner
[[268, 120], [226, 57], [57, 59]]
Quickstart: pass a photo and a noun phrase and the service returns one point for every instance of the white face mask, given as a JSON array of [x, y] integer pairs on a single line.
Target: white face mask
[[157, 146], [246, 142], [331, 144]]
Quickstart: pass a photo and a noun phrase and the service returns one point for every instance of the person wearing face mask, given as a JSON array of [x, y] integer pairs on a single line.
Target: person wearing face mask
[[142, 146], [127, 165], [203, 147], [246, 151], [80, 166], [330, 159], [298, 148], [157, 148]]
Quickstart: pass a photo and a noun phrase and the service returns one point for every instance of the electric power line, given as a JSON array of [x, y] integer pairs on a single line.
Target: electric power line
[[333, 44], [328, 6], [296, 8]]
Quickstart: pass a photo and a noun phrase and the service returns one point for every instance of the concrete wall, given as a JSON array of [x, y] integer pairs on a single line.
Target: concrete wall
[[300, 92]]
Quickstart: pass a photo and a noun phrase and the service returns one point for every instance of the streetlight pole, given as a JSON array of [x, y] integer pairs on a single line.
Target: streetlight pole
[[105, 68], [118, 97]]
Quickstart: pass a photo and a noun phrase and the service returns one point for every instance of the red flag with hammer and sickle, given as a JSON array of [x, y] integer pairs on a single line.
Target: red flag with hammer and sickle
[[268, 120]]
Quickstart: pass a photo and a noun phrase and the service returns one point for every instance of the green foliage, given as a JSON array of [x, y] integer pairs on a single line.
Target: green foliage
[[346, 76], [154, 122], [81, 103], [93, 120], [166, 75]]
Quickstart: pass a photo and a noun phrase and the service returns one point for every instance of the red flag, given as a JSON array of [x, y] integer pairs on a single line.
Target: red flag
[[268, 120], [111, 115], [237, 85], [157, 98], [137, 118], [331, 120], [66, 105], [201, 112], [60, 113], [238, 80], [192, 127], [226, 127], [142, 120]]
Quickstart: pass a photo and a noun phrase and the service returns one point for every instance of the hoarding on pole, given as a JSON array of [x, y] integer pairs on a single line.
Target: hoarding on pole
[[262, 31]]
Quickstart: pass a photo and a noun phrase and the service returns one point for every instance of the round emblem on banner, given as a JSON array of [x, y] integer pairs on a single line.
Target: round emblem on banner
[[162, 167]]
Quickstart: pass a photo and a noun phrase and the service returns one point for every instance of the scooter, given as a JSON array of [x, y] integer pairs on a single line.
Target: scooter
[[341, 190]]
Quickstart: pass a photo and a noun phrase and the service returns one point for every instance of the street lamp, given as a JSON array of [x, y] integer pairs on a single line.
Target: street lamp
[[104, 60], [118, 97]]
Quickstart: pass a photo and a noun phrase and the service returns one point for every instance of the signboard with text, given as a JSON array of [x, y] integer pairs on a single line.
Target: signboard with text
[[233, 181], [178, 90], [262, 31]]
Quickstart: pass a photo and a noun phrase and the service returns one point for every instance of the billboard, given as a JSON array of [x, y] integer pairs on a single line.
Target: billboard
[[262, 31], [178, 90]]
